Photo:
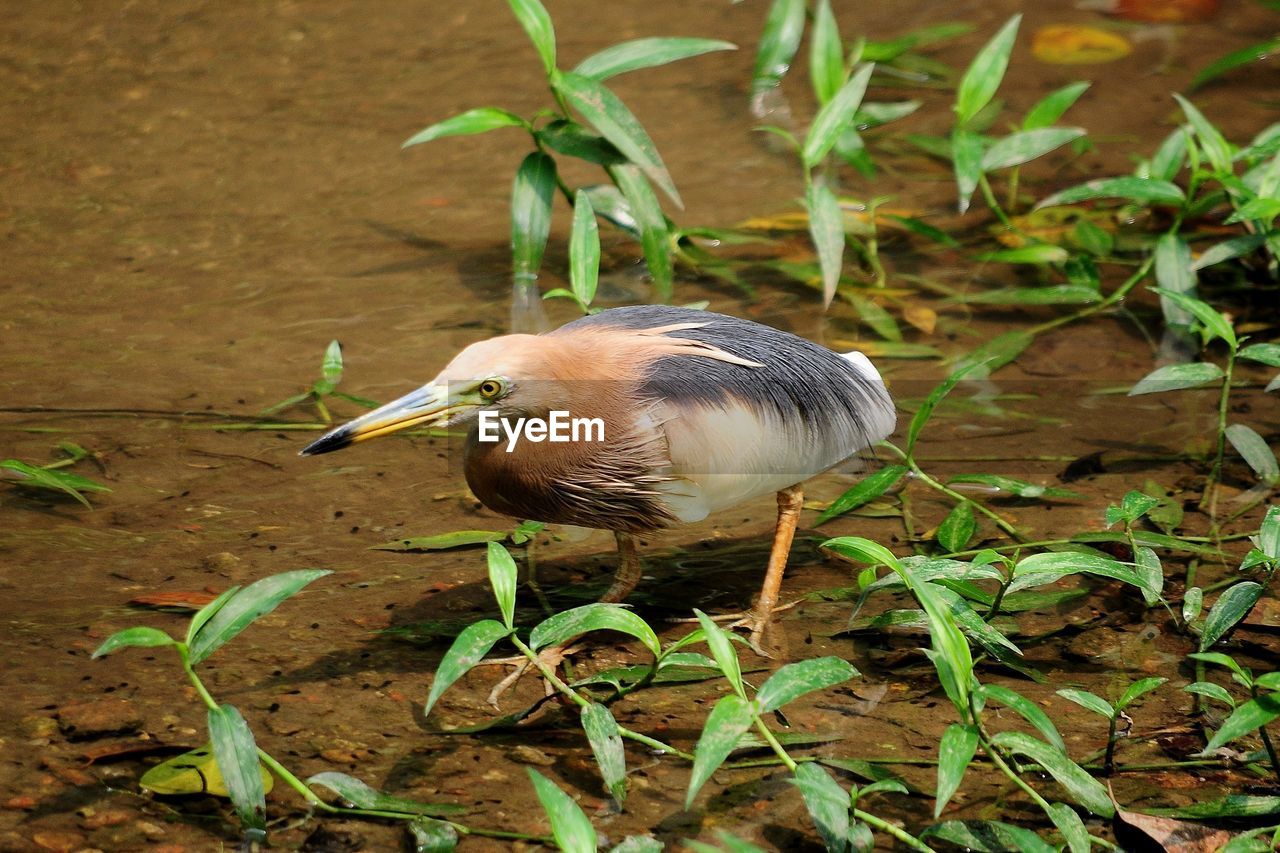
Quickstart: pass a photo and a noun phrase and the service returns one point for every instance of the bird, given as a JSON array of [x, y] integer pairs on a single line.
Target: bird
[[696, 412]]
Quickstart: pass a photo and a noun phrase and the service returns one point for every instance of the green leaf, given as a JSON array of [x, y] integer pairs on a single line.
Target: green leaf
[[834, 118], [1150, 571], [778, 44], [983, 76], [987, 836], [1057, 294], [569, 825], [1233, 60], [1211, 690], [467, 650], [140, 636], [995, 353], [639, 844], [796, 679], [1142, 190], [237, 757], [1071, 827], [1174, 274], [1026, 145], [1192, 604], [955, 751], [1016, 488], [1217, 325], [868, 489], [1029, 711], [1175, 377], [722, 650], [442, 541], [361, 796], [924, 229], [1035, 253], [574, 140], [1249, 717], [1255, 451], [240, 610], [584, 250], [1139, 688], [958, 527], [1230, 608], [1269, 533], [826, 229], [502, 577], [826, 802], [727, 722], [1230, 806], [606, 745], [1216, 148], [1040, 569], [433, 836], [655, 240], [826, 53], [1236, 247], [204, 614], [480, 120], [533, 17], [564, 626], [61, 481], [875, 316], [967, 150], [1088, 701], [1169, 158], [645, 53], [931, 402], [1082, 787], [1051, 107], [531, 195], [1268, 354], [607, 114], [1224, 660]]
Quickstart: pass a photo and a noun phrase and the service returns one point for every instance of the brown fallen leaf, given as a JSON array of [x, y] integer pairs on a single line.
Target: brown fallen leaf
[[1139, 832], [175, 600]]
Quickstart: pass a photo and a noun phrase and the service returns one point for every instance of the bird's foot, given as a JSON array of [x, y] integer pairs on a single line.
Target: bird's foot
[[550, 659], [755, 621]]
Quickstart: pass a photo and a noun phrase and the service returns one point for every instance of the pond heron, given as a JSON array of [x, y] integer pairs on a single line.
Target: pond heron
[[683, 413]]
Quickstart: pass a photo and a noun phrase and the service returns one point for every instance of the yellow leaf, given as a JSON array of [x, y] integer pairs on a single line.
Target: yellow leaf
[[194, 772], [1067, 44], [923, 318]]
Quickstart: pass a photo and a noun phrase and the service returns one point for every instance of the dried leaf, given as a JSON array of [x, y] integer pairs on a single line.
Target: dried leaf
[[1066, 44]]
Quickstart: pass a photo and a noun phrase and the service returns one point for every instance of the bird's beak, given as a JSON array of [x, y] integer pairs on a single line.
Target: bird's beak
[[431, 405]]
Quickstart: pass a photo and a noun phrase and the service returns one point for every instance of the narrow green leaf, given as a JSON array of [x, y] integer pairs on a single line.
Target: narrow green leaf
[[1192, 604], [1026, 145], [1249, 717], [826, 802], [480, 120], [1169, 158], [240, 610], [1268, 354], [958, 527], [442, 541], [237, 755], [1052, 106], [995, 353], [967, 151], [924, 229], [432, 836], [607, 114], [826, 229], [1034, 253], [1029, 711], [570, 827], [204, 614], [874, 315], [1175, 377], [645, 53], [1040, 569], [1269, 533], [531, 195], [655, 240], [1233, 60], [796, 679], [1082, 787], [1174, 275], [1230, 806], [502, 577], [826, 53], [573, 140], [584, 249], [1141, 190], [834, 117], [1139, 688], [533, 17], [1211, 690], [726, 723], [606, 745], [1215, 147], [931, 402], [61, 481], [140, 636], [467, 650], [722, 650], [1071, 827], [1223, 660], [987, 836], [1214, 322], [1151, 573], [1235, 247], [362, 796], [564, 626], [1229, 609], [1255, 451], [1088, 701], [869, 489], [983, 76], [778, 44], [955, 751], [1016, 488]]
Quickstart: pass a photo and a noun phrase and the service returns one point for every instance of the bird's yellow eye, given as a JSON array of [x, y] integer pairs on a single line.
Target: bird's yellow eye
[[491, 388]]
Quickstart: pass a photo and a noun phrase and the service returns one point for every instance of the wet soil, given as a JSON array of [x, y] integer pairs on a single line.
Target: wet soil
[[198, 197]]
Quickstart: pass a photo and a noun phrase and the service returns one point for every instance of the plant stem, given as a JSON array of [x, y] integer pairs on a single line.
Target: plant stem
[[892, 829], [956, 496], [1109, 760], [206, 697], [1210, 496], [774, 745]]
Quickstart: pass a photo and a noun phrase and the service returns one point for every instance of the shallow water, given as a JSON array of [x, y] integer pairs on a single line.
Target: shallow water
[[196, 198]]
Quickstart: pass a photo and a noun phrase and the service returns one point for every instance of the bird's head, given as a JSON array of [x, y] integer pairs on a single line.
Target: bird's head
[[484, 375]]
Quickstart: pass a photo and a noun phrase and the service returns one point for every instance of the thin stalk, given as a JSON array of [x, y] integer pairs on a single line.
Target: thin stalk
[[956, 496], [774, 745], [1266, 740], [205, 696], [990, 197], [995, 603], [1109, 760], [1210, 496], [891, 829]]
